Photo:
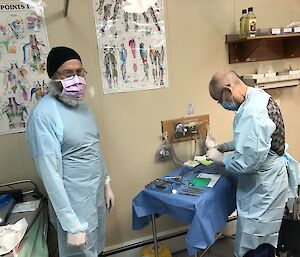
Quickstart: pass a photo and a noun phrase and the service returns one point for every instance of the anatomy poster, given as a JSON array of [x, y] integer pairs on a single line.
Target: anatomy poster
[[131, 44], [23, 50]]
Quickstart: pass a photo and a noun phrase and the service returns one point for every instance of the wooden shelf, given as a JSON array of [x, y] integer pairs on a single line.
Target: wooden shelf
[[262, 48]]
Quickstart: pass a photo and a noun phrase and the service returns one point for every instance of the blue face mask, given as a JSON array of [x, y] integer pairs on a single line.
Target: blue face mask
[[230, 106]]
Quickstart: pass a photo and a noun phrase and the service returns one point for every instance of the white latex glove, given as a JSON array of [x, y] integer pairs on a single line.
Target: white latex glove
[[225, 147], [215, 156], [77, 239], [222, 148], [109, 197], [210, 142]]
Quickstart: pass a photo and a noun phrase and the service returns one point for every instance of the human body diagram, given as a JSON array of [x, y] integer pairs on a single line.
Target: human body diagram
[[15, 113], [23, 51], [131, 46]]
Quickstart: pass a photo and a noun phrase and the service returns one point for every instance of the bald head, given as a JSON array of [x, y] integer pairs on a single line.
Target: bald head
[[221, 80]]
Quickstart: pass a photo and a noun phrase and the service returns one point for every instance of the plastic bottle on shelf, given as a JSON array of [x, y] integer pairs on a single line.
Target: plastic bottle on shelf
[[250, 23], [243, 20]]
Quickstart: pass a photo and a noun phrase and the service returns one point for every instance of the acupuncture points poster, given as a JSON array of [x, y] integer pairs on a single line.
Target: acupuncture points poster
[[23, 50], [131, 44]]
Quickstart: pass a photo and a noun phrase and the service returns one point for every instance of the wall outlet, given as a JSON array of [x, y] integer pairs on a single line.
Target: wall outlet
[[185, 128], [190, 109]]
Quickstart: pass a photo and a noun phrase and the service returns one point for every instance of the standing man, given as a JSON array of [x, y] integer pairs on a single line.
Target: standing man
[[258, 149], [63, 139]]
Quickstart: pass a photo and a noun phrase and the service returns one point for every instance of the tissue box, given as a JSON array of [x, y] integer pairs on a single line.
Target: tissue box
[[276, 31], [294, 72], [287, 30], [296, 29], [270, 75]]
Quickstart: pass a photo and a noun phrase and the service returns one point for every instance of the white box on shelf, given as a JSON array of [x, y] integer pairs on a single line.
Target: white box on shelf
[[270, 74], [287, 30], [293, 72], [276, 31], [253, 76], [296, 29]]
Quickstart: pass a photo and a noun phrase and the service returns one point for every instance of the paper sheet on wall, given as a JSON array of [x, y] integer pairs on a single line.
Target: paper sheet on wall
[[131, 44], [23, 50]]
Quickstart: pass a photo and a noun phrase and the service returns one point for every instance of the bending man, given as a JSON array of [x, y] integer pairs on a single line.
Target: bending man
[[258, 156]]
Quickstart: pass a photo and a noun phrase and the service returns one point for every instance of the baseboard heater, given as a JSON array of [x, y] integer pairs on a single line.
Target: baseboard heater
[[144, 242]]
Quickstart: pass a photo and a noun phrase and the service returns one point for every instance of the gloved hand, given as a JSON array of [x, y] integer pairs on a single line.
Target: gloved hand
[[215, 156], [109, 197], [225, 147], [210, 141], [77, 239]]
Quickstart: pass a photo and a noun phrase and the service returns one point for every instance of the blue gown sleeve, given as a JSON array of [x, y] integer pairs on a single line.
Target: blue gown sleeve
[[105, 170], [293, 173], [43, 139], [252, 140]]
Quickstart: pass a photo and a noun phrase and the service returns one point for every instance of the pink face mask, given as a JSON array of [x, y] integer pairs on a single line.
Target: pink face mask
[[73, 87]]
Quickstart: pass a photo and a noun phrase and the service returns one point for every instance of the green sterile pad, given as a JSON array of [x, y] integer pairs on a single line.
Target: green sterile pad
[[205, 162], [202, 159], [200, 182]]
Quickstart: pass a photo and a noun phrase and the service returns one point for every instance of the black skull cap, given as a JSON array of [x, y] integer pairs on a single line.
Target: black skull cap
[[58, 56]]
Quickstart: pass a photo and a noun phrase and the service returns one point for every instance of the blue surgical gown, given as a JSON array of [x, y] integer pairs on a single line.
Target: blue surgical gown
[[263, 181], [64, 143]]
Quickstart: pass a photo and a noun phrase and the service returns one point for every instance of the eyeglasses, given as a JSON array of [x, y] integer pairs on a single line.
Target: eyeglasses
[[70, 73], [221, 98], [241, 78]]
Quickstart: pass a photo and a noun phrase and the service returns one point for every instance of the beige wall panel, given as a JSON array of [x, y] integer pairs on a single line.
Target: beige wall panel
[[130, 122], [16, 163]]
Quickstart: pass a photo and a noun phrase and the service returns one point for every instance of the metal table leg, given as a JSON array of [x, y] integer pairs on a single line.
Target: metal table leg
[[218, 236], [154, 234]]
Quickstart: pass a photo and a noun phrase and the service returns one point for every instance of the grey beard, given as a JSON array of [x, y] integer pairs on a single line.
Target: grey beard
[[55, 89]]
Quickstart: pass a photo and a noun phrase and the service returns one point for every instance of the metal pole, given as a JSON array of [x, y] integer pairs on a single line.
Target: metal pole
[[66, 8], [154, 234]]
